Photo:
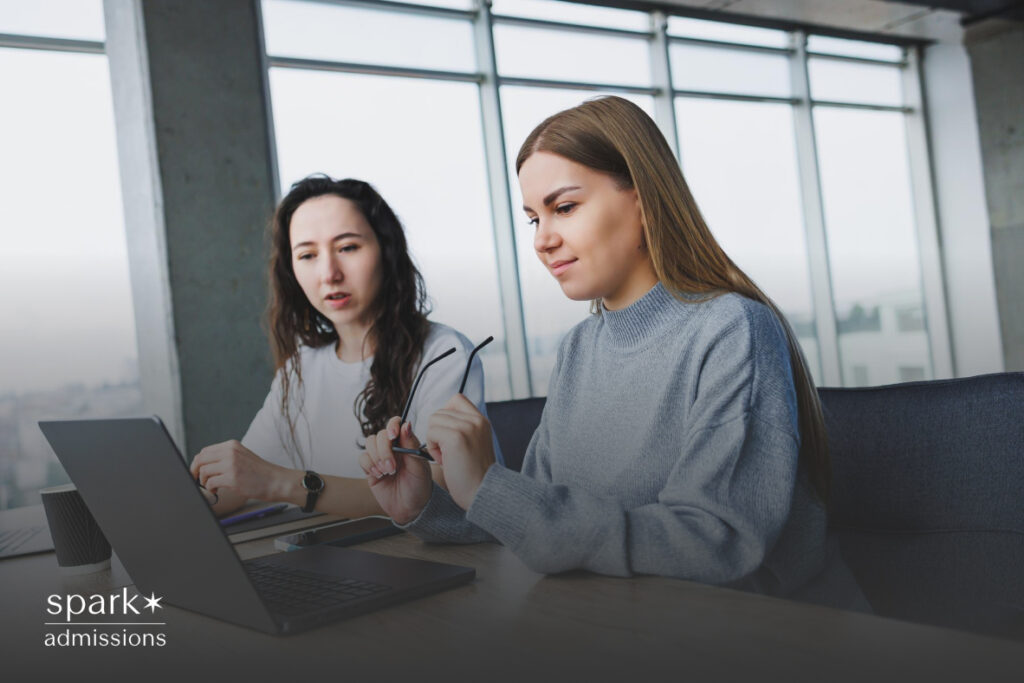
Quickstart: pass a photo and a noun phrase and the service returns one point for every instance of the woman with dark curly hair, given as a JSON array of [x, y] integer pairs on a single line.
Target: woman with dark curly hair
[[349, 332]]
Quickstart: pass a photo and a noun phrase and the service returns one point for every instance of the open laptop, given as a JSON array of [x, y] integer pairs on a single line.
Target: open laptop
[[137, 486]]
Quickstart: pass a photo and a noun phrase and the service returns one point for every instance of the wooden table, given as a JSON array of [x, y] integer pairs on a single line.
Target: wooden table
[[510, 624]]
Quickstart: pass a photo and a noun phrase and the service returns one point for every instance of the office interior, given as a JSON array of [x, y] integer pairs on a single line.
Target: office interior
[[862, 160]]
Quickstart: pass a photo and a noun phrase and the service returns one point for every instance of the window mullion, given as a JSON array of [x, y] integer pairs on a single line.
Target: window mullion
[[661, 79], [501, 206], [814, 215], [926, 220]]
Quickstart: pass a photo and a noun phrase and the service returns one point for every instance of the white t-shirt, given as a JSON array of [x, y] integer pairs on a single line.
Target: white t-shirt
[[327, 432]]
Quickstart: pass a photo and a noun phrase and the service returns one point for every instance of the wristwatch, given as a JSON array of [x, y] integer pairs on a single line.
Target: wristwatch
[[313, 484]]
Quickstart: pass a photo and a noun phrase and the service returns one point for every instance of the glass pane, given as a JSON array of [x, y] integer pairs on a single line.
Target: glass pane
[[732, 33], [720, 70], [449, 4], [548, 313], [566, 56], [426, 161], [837, 81], [854, 48], [68, 335], [310, 30], [869, 221], [74, 19], [573, 13], [740, 162]]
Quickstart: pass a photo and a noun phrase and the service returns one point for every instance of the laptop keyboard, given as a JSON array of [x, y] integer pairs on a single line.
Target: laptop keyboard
[[289, 591], [13, 539]]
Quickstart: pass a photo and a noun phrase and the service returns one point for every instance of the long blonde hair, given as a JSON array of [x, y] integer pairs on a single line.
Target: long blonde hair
[[612, 135]]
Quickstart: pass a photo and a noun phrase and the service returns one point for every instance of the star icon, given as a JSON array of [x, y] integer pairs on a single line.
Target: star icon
[[152, 602]]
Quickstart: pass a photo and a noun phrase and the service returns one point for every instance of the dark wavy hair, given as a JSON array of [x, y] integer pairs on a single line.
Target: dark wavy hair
[[399, 312]]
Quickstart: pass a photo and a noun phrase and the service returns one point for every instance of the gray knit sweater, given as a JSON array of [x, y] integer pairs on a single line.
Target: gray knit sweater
[[668, 445]]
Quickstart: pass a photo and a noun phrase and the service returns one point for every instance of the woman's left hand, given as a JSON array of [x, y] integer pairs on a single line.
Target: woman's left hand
[[459, 438]]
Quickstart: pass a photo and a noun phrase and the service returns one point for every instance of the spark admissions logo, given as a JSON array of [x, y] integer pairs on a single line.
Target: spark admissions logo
[[104, 633]]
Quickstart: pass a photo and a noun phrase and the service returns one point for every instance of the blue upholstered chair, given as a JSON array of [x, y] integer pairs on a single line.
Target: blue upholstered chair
[[928, 494], [514, 422], [928, 498]]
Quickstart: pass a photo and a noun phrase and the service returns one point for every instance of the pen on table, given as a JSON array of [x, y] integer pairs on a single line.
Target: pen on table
[[254, 514]]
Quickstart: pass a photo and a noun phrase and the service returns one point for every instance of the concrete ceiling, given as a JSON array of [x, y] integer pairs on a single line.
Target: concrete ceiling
[[938, 20]]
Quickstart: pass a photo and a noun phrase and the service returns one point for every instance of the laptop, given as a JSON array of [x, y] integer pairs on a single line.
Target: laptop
[[137, 486]]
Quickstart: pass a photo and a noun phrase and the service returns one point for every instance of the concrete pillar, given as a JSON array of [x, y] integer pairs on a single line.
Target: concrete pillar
[[997, 62], [964, 225], [197, 177]]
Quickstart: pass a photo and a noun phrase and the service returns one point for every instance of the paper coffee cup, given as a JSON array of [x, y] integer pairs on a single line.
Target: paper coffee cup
[[78, 541]]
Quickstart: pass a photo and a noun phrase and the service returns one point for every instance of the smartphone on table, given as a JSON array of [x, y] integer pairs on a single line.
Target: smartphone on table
[[344, 533]]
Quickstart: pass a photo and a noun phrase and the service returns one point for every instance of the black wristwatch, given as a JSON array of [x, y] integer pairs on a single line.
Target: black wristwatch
[[313, 485]]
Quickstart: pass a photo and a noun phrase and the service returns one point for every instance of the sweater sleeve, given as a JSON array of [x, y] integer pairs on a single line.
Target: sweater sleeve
[[722, 507]]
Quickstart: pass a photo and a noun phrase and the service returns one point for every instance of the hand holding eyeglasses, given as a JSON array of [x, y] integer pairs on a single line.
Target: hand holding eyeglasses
[[459, 438], [401, 484], [422, 452]]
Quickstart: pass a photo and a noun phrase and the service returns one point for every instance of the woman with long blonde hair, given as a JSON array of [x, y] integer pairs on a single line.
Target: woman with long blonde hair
[[682, 435]]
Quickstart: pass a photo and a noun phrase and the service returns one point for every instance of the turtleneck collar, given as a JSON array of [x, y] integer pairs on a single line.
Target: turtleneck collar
[[631, 326]]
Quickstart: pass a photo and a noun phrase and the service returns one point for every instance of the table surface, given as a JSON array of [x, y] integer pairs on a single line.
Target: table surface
[[509, 624]]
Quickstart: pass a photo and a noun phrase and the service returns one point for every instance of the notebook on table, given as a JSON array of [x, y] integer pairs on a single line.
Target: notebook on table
[[23, 531]]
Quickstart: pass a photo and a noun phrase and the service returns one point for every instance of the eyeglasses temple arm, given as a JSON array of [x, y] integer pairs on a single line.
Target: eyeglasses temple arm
[[408, 402], [469, 363]]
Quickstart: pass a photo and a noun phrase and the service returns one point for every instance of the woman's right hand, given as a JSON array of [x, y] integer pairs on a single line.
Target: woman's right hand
[[401, 484]]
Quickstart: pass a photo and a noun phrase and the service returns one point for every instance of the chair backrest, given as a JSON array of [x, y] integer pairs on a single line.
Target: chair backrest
[[514, 423], [928, 497]]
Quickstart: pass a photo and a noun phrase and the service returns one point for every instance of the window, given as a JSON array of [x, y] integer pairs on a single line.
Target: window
[[313, 30], [701, 29], [69, 332], [736, 98], [720, 70], [869, 224], [838, 81], [739, 160], [527, 52], [571, 12]]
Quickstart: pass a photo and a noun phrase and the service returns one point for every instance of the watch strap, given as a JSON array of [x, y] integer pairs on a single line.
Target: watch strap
[[313, 484]]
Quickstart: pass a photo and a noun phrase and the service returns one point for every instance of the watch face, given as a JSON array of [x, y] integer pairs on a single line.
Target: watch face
[[312, 482]]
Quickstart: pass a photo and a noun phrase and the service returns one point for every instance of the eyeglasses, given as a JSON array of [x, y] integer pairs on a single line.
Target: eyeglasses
[[421, 452]]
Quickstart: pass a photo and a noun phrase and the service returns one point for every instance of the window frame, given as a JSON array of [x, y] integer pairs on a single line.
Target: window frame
[[659, 40]]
